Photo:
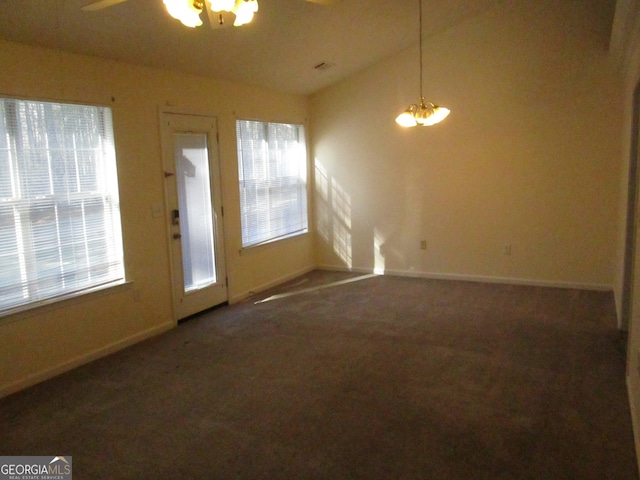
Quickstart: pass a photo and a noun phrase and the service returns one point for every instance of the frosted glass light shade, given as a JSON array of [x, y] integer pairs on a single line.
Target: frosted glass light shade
[[185, 11], [244, 11], [436, 115], [406, 118]]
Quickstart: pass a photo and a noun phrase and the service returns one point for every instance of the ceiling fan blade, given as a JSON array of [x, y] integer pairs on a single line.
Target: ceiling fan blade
[[100, 4], [325, 2]]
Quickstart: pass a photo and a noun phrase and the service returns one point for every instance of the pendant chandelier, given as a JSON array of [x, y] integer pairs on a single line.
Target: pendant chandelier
[[423, 113], [188, 11]]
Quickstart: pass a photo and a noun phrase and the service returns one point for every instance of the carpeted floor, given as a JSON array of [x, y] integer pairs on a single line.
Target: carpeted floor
[[374, 378]]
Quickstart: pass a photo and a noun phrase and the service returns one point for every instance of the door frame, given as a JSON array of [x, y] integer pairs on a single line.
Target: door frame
[[628, 282], [163, 114]]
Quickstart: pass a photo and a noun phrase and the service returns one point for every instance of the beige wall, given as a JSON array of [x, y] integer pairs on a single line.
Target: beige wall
[[46, 341], [529, 157]]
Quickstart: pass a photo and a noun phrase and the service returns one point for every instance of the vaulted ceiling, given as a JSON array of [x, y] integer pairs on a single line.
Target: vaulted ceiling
[[278, 50]]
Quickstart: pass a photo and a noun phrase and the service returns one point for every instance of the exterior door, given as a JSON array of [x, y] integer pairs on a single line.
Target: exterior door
[[194, 211]]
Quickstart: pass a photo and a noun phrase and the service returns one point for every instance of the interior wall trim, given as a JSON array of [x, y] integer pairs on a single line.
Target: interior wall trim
[[265, 286], [80, 360], [475, 278]]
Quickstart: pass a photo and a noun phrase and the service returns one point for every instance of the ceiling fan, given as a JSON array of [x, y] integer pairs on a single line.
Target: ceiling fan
[[219, 16]]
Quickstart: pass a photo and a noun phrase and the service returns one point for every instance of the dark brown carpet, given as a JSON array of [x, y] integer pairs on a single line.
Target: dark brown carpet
[[380, 378]]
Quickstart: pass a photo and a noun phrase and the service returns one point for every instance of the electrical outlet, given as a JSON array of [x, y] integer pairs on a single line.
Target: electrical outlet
[[423, 244]]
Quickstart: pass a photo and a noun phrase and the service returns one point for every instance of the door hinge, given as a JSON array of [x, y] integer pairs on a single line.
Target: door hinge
[[226, 281], [221, 210]]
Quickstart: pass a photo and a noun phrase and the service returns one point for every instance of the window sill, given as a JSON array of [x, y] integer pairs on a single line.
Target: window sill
[[273, 243], [44, 306]]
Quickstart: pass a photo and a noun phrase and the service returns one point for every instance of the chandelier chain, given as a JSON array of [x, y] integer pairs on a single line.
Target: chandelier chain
[[420, 46]]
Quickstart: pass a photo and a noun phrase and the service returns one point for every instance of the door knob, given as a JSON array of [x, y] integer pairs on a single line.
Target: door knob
[[177, 236]]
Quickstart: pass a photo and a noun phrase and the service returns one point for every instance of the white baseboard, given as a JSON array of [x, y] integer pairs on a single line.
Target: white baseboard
[[274, 283], [472, 278], [51, 372]]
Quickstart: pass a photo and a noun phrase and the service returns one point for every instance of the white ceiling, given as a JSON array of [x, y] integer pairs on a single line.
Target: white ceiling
[[278, 50]]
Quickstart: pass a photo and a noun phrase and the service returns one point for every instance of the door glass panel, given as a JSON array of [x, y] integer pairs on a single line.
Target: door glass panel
[[194, 200]]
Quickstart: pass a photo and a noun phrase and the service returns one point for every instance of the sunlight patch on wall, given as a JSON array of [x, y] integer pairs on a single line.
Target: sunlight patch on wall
[[323, 212], [342, 242], [378, 257], [341, 202], [322, 182], [333, 214], [341, 206]]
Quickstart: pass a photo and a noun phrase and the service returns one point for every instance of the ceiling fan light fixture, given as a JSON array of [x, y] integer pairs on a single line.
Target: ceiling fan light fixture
[[187, 11]]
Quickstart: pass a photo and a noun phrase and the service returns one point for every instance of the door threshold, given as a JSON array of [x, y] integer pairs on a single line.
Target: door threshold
[[207, 310]]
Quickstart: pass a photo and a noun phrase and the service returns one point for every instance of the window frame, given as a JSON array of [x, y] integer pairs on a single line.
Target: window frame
[[98, 288], [304, 186]]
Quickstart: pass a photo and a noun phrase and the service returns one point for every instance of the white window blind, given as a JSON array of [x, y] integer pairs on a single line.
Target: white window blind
[[60, 228], [272, 164]]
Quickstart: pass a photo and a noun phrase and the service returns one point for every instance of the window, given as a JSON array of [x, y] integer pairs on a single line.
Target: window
[[272, 165], [59, 211]]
